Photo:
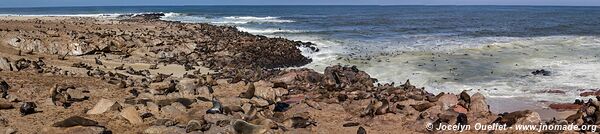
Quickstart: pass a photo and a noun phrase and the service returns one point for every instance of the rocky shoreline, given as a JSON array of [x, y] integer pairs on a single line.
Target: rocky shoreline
[[138, 74]]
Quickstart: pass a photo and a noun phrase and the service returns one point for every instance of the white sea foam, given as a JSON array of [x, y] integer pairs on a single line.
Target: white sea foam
[[235, 20], [498, 67], [267, 30]]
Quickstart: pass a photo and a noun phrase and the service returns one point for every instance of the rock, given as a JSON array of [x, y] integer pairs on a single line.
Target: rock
[[164, 130], [541, 72], [242, 127], [27, 108], [564, 106], [10, 131], [104, 105], [259, 102], [447, 101], [187, 88], [152, 107], [131, 114], [5, 64], [75, 121], [214, 118], [459, 109], [171, 111], [478, 104], [266, 91], [590, 93], [75, 130]]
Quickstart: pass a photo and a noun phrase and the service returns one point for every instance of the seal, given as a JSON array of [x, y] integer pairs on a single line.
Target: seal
[[217, 108]]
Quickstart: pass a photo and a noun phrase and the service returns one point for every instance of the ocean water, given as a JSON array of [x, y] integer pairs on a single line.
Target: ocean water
[[487, 49]]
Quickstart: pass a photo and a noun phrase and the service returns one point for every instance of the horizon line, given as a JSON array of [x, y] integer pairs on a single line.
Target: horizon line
[[303, 5]]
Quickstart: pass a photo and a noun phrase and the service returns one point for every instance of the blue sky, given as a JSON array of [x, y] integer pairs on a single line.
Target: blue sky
[[45, 3]]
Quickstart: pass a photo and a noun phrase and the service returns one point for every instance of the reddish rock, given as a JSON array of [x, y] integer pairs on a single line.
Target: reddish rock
[[590, 93], [564, 106], [459, 109]]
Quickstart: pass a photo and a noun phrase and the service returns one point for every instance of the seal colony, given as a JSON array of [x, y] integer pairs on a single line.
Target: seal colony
[[139, 74]]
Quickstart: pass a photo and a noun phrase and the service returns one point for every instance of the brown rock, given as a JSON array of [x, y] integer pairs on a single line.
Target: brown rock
[[564, 106], [104, 105], [131, 114], [478, 104]]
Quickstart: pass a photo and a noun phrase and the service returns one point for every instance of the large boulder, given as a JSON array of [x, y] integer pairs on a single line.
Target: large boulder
[[478, 104], [265, 90], [104, 105], [132, 115]]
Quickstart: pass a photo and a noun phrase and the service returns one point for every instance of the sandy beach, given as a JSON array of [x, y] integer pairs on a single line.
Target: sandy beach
[[139, 74]]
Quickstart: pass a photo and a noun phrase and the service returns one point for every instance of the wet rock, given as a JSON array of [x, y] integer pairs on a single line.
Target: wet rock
[[75, 121], [564, 106], [541, 72], [242, 127], [28, 108], [104, 105], [131, 114]]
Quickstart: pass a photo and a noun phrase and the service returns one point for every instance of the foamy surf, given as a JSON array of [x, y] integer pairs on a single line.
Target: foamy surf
[[228, 20]]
